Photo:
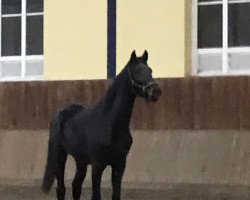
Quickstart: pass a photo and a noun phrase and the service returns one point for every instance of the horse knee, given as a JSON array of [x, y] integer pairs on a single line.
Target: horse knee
[[79, 178]]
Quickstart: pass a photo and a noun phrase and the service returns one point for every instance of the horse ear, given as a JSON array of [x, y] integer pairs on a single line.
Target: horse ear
[[133, 56], [145, 56]]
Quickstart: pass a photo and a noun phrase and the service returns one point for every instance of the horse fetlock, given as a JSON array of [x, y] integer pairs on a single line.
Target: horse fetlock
[[96, 197], [116, 197], [60, 191]]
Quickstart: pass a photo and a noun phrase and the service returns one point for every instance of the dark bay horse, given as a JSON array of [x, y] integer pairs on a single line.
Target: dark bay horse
[[100, 135]]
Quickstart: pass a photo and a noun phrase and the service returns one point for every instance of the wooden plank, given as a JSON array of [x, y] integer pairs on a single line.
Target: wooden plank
[[203, 103]]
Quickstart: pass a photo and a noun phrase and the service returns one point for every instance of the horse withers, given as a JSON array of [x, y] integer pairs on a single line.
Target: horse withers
[[100, 135]]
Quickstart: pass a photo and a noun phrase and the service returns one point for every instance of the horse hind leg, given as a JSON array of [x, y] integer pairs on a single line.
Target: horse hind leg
[[81, 169], [97, 170], [60, 158]]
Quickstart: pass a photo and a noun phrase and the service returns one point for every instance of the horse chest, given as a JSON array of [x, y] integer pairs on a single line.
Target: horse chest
[[121, 145], [119, 148]]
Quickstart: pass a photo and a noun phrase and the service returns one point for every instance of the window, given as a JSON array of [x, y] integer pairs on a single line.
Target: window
[[223, 37], [21, 52]]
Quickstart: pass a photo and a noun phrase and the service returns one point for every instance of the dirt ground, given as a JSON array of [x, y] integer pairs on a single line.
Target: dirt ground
[[178, 193]]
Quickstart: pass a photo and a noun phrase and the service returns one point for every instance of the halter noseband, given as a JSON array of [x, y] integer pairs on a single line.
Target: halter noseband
[[139, 85]]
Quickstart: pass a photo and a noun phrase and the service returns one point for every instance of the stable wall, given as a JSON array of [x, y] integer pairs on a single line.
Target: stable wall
[[157, 159], [212, 103], [197, 133]]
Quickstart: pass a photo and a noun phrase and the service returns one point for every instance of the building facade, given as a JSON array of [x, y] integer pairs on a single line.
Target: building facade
[[93, 39]]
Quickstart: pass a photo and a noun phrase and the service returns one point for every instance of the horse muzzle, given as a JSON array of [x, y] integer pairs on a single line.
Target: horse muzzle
[[153, 93]]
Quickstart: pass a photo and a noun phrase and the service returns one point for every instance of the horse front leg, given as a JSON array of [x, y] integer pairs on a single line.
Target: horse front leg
[[97, 170], [117, 174]]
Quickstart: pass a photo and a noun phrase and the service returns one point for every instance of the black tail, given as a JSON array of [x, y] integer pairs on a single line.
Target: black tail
[[49, 176]]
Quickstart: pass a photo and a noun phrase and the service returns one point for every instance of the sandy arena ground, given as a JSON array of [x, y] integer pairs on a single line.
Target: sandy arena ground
[[178, 193]]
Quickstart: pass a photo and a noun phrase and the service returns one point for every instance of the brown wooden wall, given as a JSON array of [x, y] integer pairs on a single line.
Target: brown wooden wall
[[187, 103]]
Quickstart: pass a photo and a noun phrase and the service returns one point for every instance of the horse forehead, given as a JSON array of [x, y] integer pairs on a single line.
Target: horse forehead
[[143, 65]]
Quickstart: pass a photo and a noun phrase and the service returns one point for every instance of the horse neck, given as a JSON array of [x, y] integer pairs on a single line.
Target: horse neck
[[120, 100]]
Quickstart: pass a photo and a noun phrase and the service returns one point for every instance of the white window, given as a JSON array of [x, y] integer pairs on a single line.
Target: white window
[[222, 37], [21, 52]]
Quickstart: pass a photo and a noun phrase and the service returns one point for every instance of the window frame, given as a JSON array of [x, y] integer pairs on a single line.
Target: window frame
[[23, 57], [225, 50]]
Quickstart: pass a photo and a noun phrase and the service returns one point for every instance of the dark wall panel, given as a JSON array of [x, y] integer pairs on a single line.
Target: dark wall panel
[[187, 103]]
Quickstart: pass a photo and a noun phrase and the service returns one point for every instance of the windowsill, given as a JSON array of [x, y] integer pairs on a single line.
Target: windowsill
[[219, 73], [20, 79]]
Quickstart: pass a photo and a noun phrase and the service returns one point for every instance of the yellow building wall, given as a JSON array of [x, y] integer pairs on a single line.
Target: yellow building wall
[[75, 39], [159, 27]]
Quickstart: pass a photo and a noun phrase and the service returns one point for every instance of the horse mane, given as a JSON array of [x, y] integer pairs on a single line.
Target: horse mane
[[115, 88]]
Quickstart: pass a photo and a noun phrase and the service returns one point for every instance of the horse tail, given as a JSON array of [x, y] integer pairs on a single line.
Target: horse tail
[[49, 175]]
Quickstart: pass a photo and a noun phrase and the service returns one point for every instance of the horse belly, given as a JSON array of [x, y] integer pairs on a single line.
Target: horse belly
[[75, 144], [108, 154]]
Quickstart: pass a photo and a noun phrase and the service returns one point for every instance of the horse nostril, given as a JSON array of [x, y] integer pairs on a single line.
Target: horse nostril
[[157, 91]]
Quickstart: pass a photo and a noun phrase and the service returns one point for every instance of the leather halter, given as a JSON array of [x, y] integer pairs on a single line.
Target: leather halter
[[139, 85]]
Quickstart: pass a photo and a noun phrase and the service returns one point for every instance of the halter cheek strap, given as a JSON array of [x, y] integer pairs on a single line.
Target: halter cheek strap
[[139, 85]]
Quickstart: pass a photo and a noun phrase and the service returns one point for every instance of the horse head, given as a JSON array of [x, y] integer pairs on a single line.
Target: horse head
[[140, 75]]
